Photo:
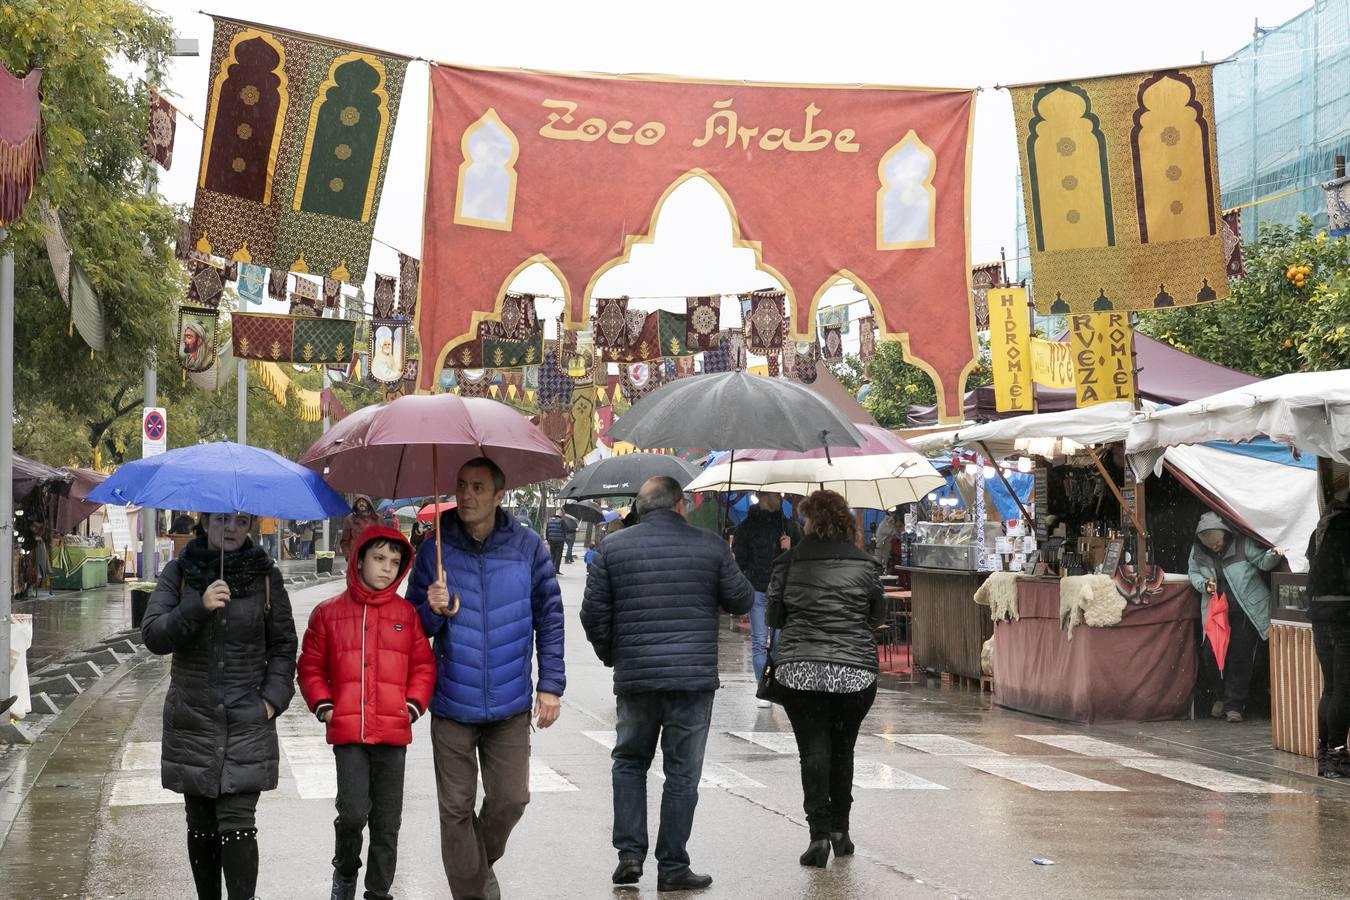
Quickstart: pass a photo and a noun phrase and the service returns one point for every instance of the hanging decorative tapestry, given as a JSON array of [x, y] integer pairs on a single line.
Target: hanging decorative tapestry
[[205, 284], [1232, 244], [1338, 205], [518, 318], [252, 283], [197, 337], [773, 364], [332, 293], [832, 346], [388, 343], [473, 382], [637, 380], [409, 273], [303, 340], [295, 149], [610, 323], [765, 327], [277, 284], [703, 318], [21, 149], [161, 121], [867, 338], [385, 298], [1121, 190], [982, 278], [805, 359], [581, 438], [835, 315]]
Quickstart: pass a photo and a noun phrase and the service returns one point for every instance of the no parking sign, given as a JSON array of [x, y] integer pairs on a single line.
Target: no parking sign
[[154, 431]]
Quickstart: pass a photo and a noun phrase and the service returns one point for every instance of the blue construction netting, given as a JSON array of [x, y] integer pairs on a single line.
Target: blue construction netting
[[1282, 111]]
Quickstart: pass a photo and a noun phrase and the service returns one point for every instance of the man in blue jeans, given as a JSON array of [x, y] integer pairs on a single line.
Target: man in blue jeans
[[654, 592], [759, 540]]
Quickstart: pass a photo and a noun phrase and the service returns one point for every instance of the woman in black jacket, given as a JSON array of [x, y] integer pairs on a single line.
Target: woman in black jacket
[[825, 594], [226, 619]]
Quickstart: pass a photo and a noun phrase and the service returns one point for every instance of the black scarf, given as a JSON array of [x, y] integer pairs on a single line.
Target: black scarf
[[243, 567]]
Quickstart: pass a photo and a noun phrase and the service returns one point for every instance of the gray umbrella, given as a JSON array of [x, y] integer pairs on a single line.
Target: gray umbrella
[[735, 411], [621, 476]]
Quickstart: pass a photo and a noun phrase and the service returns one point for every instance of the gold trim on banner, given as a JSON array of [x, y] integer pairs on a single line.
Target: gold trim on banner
[[509, 166], [218, 84]]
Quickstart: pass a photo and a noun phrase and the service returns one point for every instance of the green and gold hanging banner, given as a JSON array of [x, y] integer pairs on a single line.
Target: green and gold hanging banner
[[295, 151], [307, 340], [1121, 187]]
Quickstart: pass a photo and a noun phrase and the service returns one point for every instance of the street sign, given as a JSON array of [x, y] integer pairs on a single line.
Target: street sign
[[154, 431]]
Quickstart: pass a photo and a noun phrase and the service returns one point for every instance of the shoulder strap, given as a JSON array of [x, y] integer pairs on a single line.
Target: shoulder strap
[[267, 593]]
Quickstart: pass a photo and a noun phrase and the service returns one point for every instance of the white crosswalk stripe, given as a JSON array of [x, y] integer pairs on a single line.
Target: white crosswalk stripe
[[544, 780], [137, 781], [1205, 777], [874, 776], [1086, 746], [940, 745], [1038, 776], [311, 763], [777, 741], [714, 774]]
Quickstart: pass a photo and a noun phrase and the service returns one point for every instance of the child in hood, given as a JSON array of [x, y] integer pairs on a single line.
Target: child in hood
[[367, 671]]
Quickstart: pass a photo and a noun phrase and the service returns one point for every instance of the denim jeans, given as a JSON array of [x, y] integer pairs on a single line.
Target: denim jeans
[[680, 720], [761, 636]]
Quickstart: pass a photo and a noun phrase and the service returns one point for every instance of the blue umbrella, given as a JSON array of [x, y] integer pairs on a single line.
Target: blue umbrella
[[223, 478]]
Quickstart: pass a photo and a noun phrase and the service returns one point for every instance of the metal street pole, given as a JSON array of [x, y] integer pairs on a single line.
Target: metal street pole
[[327, 522], [6, 460], [149, 569]]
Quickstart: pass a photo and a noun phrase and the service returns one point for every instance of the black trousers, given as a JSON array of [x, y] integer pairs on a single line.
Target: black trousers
[[1233, 685], [826, 727], [369, 790], [1331, 640], [555, 550], [215, 815]]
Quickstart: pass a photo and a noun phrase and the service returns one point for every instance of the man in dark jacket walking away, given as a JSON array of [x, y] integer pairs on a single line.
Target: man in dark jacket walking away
[[555, 532], [570, 525], [759, 540], [653, 596], [494, 601]]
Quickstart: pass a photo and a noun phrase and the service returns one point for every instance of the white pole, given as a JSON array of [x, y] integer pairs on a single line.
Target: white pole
[[6, 460], [327, 522], [149, 569], [241, 376]]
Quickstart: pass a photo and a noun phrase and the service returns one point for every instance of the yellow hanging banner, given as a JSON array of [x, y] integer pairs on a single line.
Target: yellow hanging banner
[[1103, 357], [1010, 349], [1051, 363]]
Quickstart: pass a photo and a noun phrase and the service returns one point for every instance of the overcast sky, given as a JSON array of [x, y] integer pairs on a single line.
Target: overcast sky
[[953, 44]]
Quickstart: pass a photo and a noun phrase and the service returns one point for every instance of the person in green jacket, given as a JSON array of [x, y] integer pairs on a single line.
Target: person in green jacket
[[1225, 562]]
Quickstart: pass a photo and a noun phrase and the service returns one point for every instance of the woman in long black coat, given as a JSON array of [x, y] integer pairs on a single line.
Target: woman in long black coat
[[229, 627], [825, 594]]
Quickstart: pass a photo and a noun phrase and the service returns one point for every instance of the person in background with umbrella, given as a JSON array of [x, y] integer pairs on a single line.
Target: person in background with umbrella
[[1329, 613], [570, 525], [494, 599], [764, 536], [555, 532], [1226, 564], [363, 516], [826, 597], [221, 609]]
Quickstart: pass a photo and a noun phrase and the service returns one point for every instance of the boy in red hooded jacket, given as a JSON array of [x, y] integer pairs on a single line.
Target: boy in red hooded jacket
[[367, 671]]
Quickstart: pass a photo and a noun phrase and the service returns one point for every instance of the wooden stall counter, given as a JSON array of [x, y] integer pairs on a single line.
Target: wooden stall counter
[[1141, 670], [949, 628]]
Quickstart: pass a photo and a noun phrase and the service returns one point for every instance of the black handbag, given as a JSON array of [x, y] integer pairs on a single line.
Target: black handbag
[[769, 688]]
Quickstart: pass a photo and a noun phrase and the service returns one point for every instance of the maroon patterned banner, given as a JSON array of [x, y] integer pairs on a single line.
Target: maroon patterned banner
[[385, 299], [703, 318], [161, 122]]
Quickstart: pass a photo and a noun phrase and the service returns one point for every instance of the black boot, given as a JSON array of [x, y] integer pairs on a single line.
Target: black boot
[[839, 840], [239, 859], [344, 886], [818, 854], [1338, 763], [204, 857]]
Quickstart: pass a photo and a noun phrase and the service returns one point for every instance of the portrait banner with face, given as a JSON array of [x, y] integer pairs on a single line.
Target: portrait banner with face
[[388, 343], [1121, 187], [295, 149], [197, 337], [523, 170]]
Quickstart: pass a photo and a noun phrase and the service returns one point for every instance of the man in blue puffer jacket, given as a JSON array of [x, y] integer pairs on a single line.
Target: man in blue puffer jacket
[[653, 596], [495, 599]]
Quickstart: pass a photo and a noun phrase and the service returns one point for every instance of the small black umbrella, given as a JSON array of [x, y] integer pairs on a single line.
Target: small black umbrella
[[585, 510], [622, 476], [735, 411]]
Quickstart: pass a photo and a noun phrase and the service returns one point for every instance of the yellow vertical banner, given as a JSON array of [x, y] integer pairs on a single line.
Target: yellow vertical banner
[[1103, 357], [1010, 349], [1051, 363]]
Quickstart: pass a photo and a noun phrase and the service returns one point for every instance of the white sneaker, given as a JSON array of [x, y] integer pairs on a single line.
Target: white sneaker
[[763, 704]]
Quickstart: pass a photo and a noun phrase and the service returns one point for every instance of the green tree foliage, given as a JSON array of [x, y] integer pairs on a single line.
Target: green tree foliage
[[67, 402], [1271, 325], [897, 384]]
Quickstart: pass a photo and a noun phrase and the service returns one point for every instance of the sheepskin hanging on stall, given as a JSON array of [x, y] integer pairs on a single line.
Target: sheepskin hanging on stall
[[999, 593], [1089, 600]]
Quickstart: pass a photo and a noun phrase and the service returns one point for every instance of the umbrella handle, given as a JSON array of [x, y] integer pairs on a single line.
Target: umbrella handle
[[436, 518]]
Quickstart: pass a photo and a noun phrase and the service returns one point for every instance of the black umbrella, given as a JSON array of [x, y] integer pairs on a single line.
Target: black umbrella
[[735, 411], [623, 475], [586, 511]]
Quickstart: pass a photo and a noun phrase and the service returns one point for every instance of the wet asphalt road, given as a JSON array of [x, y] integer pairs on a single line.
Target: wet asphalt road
[[955, 802]]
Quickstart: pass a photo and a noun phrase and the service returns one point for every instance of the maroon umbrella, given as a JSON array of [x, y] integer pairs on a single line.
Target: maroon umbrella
[[397, 449]]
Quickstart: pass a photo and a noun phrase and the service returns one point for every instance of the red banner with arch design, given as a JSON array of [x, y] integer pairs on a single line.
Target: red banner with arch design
[[821, 182]]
